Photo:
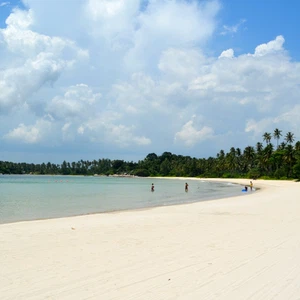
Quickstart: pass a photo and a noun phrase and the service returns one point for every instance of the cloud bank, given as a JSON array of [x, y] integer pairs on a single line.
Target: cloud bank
[[122, 79]]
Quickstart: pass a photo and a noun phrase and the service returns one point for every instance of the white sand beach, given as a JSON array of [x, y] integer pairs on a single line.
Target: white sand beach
[[239, 248]]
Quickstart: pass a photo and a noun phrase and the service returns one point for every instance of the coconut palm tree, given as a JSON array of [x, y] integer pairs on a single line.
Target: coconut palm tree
[[249, 155], [282, 146], [289, 158], [259, 147], [221, 154], [267, 137], [220, 163], [277, 134], [259, 156], [238, 153], [231, 161], [289, 137], [267, 153]]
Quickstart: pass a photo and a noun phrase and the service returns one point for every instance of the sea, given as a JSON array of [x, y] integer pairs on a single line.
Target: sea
[[33, 197]]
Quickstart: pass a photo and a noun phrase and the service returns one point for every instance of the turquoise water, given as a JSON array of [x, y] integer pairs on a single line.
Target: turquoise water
[[27, 197]]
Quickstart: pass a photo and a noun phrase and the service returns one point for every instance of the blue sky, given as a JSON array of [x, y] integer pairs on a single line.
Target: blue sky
[[90, 79], [264, 19]]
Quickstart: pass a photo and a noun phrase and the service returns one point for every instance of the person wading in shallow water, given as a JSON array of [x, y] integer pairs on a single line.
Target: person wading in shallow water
[[152, 187], [186, 187]]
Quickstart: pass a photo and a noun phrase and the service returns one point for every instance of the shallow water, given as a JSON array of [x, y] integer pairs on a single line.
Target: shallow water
[[28, 197]]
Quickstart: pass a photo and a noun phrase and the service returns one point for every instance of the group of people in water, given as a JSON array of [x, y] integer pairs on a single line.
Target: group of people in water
[[186, 187]]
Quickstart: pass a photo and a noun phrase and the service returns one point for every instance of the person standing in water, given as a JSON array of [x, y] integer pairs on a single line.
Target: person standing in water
[[186, 187], [251, 185], [152, 187]]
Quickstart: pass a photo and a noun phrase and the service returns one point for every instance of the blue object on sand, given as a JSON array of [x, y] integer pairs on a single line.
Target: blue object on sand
[[244, 190]]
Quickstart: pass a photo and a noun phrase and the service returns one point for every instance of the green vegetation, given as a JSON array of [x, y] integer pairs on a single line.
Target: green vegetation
[[261, 161]]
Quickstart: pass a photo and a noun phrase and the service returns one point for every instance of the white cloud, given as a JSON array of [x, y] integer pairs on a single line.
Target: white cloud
[[19, 83], [232, 29], [181, 64], [270, 47], [250, 78], [77, 102], [205, 82], [31, 134], [35, 60], [20, 39], [135, 96], [287, 121], [114, 20], [20, 19], [163, 26], [227, 54], [124, 137], [189, 135], [106, 128], [113, 76], [259, 127], [2, 4]]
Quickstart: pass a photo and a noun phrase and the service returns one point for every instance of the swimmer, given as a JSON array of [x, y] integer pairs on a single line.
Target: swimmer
[[186, 187], [152, 187]]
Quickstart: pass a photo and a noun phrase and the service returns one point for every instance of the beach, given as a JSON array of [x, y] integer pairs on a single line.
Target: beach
[[244, 247]]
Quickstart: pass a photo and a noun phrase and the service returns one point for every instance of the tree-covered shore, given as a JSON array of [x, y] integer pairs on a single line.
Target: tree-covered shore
[[264, 160]]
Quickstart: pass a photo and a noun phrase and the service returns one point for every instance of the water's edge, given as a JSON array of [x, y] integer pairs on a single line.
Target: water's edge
[[50, 197]]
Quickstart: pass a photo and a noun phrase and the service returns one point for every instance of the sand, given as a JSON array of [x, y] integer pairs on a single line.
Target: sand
[[245, 247]]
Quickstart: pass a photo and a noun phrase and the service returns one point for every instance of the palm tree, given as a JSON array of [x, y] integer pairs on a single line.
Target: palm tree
[[289, 137], [267, 153], [289, 158], [259, 156], [277, 134], [267, 137], [238, 153], [249, 155], [282, 146], [231, 159], [259, 147], [221, 154], [220, 164]]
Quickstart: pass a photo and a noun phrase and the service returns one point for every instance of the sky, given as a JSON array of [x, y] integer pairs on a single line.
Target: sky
[[119, 79]]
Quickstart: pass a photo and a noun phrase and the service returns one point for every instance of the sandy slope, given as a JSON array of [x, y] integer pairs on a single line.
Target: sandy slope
[[242, 248]]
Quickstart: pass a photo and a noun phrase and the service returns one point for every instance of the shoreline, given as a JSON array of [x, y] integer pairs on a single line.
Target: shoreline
[[140, 208], [231, 248]]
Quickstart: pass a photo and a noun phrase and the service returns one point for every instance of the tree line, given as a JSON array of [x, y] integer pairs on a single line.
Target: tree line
[[264, 160]]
